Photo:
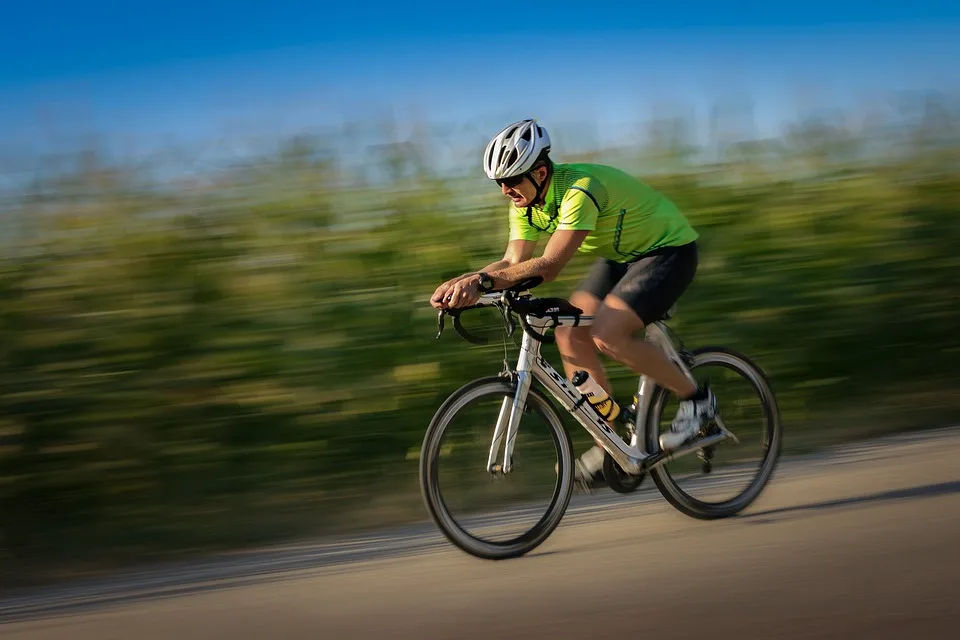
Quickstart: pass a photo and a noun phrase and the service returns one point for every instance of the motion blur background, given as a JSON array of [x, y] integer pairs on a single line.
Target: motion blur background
[[221, 224]]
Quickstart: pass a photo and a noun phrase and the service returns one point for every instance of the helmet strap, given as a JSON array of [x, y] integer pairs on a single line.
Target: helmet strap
[[529, 176]]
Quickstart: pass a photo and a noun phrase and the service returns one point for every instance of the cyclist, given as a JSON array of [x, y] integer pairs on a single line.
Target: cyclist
[[646, 257]]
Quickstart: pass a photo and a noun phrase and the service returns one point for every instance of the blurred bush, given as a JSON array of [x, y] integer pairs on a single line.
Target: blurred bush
[[228, 359]]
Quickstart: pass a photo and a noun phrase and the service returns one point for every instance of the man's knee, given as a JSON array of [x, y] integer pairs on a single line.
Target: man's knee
[[608, 338], [614, 327]]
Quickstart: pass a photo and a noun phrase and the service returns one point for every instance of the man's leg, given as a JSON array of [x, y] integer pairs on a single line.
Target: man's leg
[[576, 343], [578, 351], [576, 346], [648, 289], [617, 331]]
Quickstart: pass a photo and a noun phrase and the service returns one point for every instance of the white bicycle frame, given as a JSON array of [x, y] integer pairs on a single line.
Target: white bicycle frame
[[633, 457]]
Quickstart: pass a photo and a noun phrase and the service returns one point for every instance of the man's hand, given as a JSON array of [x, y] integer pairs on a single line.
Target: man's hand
[[454, 294]]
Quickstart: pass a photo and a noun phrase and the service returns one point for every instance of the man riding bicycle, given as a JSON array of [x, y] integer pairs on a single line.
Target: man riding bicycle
[[646, 258]]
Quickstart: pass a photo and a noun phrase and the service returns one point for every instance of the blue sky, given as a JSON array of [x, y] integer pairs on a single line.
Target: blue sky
[[57, 39], [188, 70]]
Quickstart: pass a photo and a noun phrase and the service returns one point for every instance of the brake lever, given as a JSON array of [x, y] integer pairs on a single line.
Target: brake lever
[[440, 315]]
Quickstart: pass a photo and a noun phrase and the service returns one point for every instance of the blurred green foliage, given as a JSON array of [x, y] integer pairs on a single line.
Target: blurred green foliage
[[253, 356]]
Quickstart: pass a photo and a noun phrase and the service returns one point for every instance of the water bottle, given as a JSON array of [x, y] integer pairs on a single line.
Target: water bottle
[[599, 399]]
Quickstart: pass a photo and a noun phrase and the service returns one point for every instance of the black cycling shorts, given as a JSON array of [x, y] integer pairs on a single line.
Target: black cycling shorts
[[650, 284]]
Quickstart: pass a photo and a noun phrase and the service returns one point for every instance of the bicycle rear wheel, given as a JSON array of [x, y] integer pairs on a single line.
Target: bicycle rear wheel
[[502, 516], [748, 408]]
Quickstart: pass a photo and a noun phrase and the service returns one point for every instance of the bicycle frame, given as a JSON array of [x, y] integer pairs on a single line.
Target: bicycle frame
[[633, 457]]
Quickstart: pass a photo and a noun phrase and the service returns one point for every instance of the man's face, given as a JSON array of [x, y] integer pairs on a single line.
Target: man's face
[[520, 189]]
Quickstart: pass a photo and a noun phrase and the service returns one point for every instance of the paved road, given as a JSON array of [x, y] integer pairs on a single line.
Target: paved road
[[858, 543]]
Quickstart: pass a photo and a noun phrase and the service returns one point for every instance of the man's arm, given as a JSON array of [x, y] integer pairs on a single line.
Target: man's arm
[[578, 218], [516, 252], [558, 252], [563, 244]]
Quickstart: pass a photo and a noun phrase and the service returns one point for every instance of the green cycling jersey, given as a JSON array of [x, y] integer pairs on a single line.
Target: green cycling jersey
[[626, 217]]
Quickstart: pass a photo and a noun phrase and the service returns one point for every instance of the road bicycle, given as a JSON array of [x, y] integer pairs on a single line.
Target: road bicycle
[[627, 458]]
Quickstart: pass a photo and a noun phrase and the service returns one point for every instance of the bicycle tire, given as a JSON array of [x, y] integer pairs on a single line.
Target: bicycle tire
[[433, 498], [665, 483]]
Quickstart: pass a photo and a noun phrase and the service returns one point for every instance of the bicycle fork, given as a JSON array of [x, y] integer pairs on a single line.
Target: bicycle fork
[[509, 423]]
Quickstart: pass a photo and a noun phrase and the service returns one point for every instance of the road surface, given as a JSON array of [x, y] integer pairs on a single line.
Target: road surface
[[860, 542]]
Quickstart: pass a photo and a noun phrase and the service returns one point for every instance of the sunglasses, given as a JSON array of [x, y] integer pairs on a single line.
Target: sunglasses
[[510, 182]]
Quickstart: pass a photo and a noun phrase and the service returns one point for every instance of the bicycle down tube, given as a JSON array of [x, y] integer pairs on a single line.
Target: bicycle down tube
[[631, 457]]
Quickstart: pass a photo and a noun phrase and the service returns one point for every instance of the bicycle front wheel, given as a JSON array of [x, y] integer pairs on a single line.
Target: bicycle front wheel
[[487, 515], [721, 480]]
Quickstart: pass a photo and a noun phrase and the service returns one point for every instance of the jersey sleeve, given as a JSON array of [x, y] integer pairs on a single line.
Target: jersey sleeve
[[578, 210], [520, 228]]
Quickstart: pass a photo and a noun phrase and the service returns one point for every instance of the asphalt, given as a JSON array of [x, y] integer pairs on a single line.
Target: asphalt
[[857, 542]]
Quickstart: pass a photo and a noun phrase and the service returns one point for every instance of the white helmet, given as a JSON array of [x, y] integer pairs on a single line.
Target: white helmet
[[515, 150]]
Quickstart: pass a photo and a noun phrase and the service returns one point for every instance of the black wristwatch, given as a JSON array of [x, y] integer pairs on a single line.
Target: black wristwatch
[[486, 283]]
